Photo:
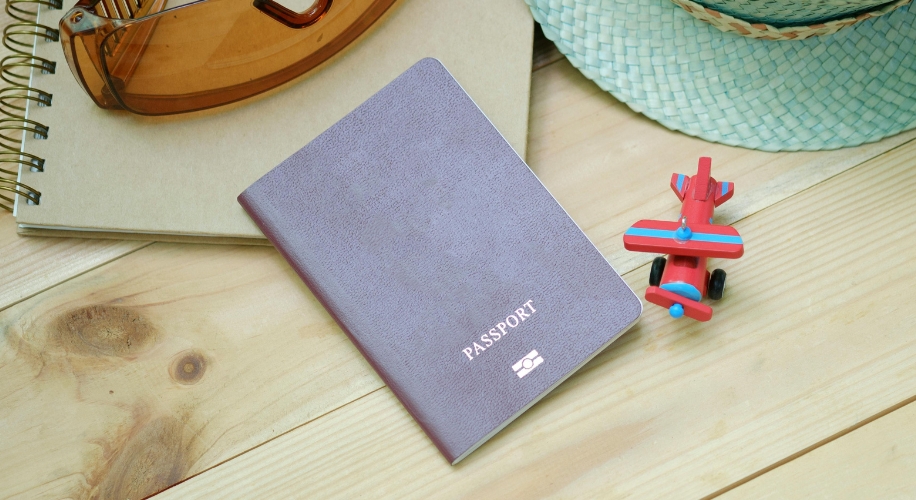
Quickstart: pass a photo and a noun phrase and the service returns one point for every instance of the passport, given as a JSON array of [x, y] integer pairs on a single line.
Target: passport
[[441, 255]]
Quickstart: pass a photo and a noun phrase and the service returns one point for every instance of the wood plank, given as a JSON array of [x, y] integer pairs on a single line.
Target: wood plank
[[813, 336], [877, 460], [31, 265], [252, 320], [162, 364]]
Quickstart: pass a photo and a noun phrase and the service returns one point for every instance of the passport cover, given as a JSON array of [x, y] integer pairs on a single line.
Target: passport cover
[[453, 270]]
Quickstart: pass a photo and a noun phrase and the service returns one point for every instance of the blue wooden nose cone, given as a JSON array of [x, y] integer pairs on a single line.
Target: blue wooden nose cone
[[676, 311]]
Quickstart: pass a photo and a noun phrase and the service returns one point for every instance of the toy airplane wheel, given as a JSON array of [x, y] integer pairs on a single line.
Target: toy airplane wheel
[[716, 285], [658, 267]]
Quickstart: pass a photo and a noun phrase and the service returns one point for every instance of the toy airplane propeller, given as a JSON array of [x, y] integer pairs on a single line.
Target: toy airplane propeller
[[680, 283]]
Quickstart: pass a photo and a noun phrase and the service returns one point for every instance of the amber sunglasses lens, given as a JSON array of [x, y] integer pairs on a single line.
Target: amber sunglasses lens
[[82, 57], [215, 52]]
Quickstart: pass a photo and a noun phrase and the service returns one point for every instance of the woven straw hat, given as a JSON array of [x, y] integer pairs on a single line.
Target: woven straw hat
[[776, 75]]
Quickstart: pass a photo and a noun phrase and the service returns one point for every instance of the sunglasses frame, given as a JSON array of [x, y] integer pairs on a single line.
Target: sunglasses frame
[[83, 22]]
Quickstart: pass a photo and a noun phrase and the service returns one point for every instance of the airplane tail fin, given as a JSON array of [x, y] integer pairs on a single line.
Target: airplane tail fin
[[702, 184], [679, 183], [701, 180], [724, 192]]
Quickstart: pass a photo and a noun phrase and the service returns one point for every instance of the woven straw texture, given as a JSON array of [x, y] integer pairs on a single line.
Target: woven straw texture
[[782, 12], [856, 86], [729, 24]]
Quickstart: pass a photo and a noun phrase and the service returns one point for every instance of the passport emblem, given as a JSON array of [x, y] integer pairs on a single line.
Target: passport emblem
[[524, 366]]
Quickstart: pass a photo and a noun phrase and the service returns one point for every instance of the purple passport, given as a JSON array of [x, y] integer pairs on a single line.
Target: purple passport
[[446, 261]]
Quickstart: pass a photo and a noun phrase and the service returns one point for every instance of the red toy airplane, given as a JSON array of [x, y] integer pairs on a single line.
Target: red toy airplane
[[679, 285]]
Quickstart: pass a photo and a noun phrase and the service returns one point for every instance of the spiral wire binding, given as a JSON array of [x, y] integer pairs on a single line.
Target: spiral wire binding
[[16, 69]]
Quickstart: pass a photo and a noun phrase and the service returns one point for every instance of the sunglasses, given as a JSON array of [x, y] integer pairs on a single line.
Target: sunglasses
[[154, 58]]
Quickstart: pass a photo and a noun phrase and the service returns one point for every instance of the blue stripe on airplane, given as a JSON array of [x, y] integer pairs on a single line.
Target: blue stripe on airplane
[[680, 181], [669, 235], [724, 188], [683, 289]]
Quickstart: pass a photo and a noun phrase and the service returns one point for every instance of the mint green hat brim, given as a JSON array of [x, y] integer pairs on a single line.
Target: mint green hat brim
[[855, 86]]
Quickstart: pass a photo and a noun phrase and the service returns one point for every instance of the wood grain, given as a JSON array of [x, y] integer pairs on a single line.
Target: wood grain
[[875, 461], [31, 265], [813, 336], [159, 365]]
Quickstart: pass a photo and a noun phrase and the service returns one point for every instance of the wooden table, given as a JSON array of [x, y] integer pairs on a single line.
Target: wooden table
[[128, 367]]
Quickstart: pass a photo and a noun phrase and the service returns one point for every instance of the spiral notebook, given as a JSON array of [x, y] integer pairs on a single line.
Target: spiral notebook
[[175, 178]]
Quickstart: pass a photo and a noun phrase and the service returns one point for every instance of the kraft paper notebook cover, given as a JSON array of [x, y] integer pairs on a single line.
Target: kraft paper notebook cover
[[114, 174], [457, 275]]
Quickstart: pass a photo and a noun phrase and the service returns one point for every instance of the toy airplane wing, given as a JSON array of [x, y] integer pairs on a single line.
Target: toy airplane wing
[[702, 240], [689, 308]]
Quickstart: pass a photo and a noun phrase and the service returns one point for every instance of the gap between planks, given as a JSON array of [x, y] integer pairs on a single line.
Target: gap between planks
[[278, 436], [811, 448], [874, 461], [7, 301]]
